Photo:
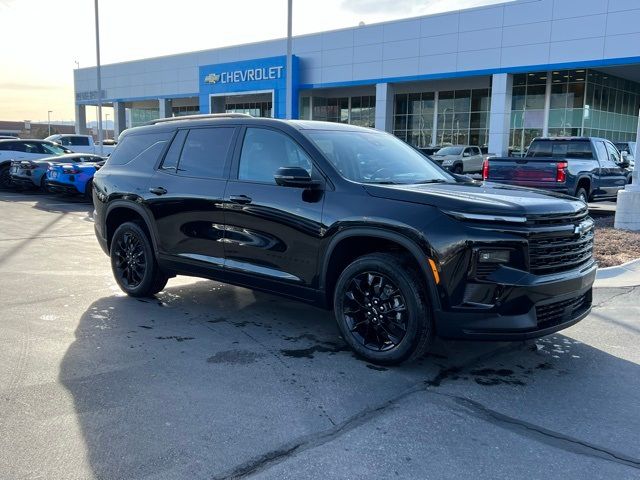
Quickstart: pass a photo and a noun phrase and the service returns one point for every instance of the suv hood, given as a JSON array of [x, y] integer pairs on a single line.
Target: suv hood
[[480, 198]]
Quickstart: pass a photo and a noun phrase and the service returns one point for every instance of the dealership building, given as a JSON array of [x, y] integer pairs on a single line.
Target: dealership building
[[494, 76]]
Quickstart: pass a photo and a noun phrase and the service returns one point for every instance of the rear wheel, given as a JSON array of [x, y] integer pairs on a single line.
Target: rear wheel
[[5, 178], [133, 262], [581, 194], [381, 308], [43, 184], [88, 191]]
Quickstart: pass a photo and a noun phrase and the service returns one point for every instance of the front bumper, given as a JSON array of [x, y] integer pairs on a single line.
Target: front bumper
[[528, 306]]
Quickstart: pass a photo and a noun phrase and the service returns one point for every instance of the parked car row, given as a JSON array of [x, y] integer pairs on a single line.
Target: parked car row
[[46, 165]]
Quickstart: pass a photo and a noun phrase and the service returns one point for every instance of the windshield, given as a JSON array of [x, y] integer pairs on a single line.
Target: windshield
[[449, 151], [54, 149], [374, 157]]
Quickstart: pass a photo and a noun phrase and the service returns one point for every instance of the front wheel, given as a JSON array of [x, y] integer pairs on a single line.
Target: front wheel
[[458, 169], [381, 308], [133, 262]]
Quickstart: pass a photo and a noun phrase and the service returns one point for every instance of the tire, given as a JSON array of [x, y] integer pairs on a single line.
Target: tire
[[43, 184], [133, 262], [582, 194], [458, 169], [88, 191], [383, 341], [5, 178]]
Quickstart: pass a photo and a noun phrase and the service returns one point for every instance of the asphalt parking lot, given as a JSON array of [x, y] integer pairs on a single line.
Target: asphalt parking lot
[[213, 381]]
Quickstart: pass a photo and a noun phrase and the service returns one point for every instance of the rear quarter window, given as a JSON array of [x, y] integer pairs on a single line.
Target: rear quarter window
[[144, 147]]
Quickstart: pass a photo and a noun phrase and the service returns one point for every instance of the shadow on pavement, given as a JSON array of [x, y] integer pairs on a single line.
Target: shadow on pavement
[[207, 377]]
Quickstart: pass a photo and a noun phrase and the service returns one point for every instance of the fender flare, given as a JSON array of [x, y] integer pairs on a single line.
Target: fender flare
[[581, 178], [137, 208], [411, 246]]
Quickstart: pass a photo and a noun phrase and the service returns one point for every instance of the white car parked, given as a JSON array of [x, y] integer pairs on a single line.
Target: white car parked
[[81, 144]]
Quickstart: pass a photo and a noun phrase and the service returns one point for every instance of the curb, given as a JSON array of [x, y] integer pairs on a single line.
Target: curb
[[625, 275]]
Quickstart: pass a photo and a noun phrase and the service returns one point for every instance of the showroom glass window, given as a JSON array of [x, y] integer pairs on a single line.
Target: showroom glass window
[[462, 117], [354, 110]]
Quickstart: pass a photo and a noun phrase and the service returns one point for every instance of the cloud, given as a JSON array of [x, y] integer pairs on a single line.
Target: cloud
[[410, 6], [381, 6], [26, 86]]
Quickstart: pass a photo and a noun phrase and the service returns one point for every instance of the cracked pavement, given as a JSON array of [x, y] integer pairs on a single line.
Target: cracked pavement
[[210, 381]]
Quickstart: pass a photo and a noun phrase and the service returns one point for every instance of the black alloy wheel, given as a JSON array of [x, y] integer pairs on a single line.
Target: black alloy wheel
[[43, 184], [133, 262], [458, 169], [381, 306], [5, 178], [88, 191], [375, 311]]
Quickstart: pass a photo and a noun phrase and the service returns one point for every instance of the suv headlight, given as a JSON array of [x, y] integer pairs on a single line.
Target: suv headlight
[[447, 163]]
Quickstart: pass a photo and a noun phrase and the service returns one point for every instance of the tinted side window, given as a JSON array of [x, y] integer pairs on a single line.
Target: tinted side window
[[602, 151], [614, 155], [145, 147], [265, 151], [80, 141], [5, 145], [205, 152], [170, 162]]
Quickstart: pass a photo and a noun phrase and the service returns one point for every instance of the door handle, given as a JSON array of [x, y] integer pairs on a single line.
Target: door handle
[[158, 190], [241, 199]]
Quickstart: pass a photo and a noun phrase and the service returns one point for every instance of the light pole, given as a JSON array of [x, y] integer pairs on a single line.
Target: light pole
[[289, 81], [99, 76], [49, 112], [106, 128]]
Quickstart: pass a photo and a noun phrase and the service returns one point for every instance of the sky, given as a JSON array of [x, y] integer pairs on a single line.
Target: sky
[[42, 39]]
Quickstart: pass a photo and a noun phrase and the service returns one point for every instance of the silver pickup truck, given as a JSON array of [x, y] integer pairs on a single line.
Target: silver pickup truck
[[460, 158]]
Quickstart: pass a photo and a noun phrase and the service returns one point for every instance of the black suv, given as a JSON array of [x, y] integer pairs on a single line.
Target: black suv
[[348, 218]]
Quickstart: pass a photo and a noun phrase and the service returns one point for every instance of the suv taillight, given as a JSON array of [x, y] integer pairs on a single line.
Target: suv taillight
[[561, 172], [485, 169]]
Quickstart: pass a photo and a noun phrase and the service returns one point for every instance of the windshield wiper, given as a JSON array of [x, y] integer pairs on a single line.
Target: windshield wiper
[[382, 182], [434, 180]]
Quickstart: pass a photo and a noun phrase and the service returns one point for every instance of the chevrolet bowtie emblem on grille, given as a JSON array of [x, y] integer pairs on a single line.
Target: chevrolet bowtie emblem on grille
[[582, 228], [212, 78]]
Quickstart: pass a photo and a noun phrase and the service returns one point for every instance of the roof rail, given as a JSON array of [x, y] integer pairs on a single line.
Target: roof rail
[[199, 117]]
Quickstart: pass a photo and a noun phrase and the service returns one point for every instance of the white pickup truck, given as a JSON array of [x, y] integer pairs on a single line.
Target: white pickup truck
[[81, 144]]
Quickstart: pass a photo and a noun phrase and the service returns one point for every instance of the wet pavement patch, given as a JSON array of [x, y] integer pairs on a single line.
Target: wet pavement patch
[[326, 347], [174, 337], [376, 367], [235, 357], [217, 320]]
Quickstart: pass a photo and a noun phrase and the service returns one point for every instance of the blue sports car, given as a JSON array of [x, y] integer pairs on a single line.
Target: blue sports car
[[73, 177], [33, 173]]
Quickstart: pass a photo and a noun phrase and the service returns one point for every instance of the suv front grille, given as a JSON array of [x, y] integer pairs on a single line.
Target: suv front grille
[[558, 219], [556, 313], [553, 254]]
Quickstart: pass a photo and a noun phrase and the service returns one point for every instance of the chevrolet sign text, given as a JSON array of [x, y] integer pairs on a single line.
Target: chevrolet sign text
[[248, 75]]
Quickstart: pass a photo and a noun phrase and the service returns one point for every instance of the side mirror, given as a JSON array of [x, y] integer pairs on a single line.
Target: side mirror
[[624, 163], [466, 154], [294, 177]]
